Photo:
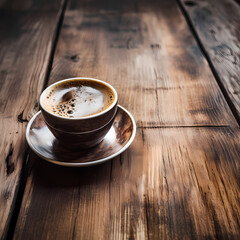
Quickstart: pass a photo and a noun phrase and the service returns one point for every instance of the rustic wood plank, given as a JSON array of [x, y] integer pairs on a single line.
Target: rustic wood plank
[[30, 5], [148, 53], [217, 24], [173, 183], [26, 40]]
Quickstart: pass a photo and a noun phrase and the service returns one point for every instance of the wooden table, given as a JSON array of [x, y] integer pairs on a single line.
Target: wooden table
[[176, 67]]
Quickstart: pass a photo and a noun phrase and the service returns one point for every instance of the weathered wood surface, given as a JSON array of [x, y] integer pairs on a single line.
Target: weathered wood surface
[[217, 24], [146, 51], [172, 183], [26, 39], [30, 5]]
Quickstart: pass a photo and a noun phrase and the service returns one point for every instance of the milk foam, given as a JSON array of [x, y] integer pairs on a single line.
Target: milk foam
[[78, 99]]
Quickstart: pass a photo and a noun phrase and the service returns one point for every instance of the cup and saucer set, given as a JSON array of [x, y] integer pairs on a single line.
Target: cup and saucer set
[[57, 135]]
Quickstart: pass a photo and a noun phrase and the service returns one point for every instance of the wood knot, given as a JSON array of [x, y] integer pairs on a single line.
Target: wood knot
[[75, 58], [21, 119], [155, 45], [10, 167], [7, 195]]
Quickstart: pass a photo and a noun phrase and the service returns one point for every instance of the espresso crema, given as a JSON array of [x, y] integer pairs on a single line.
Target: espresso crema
[[78, 98]]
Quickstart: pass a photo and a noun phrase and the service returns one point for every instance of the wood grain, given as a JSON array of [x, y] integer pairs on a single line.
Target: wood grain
[[171, 184], [146, 51], [217, 26], [25, 44], [30, 5]]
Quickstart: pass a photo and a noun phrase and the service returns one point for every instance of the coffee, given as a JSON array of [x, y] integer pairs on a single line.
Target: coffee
[[78, 98]]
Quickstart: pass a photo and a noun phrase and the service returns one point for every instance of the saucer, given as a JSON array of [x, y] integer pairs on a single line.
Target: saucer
[[117, 140]]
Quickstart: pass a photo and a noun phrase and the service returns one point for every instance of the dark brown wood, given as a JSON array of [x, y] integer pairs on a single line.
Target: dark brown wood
[[217, 24], [30, 5], [147, 52], [177, 181], [171, 184], [26, 40]]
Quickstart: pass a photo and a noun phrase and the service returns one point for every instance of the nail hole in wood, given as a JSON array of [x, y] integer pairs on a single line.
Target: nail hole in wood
[[190, 3]]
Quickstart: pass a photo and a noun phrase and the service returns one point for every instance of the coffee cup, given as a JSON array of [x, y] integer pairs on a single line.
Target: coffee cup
[[79, 111]]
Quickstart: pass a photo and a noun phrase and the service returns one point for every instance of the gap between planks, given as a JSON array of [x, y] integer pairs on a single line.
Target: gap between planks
[[55, 40], [56, 35], [206, 55], [27, 155]]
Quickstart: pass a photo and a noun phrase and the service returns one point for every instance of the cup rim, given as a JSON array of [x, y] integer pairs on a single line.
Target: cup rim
[[86, 117]]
